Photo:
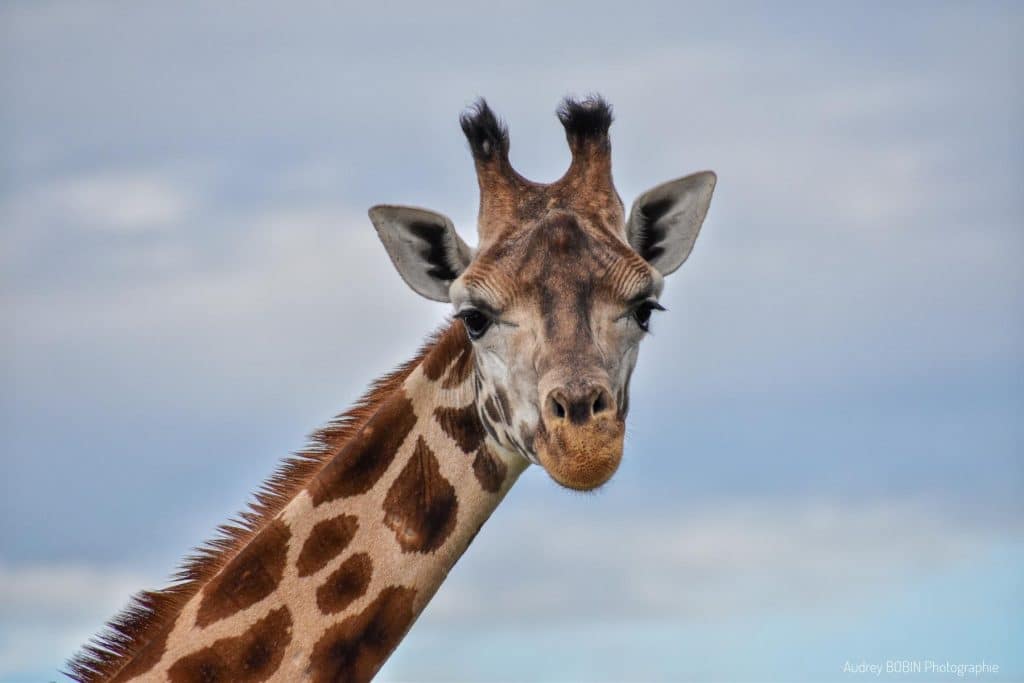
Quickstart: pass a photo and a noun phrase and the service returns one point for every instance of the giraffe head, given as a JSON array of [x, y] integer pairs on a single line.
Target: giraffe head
[[558, 293]]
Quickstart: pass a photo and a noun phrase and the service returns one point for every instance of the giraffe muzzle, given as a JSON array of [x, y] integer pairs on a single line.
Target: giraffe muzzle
[[581, 435]]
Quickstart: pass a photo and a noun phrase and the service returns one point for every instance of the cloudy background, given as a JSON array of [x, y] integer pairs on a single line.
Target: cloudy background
[[824, 461]]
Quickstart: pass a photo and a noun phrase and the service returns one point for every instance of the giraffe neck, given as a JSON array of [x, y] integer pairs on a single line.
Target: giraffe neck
[[342, 550]]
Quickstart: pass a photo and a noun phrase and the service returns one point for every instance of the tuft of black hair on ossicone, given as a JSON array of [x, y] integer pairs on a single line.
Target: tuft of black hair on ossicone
[[487, 134], [586, 119]]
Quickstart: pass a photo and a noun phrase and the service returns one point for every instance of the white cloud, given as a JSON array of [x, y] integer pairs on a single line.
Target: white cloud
[[123, 202], [718, 560]]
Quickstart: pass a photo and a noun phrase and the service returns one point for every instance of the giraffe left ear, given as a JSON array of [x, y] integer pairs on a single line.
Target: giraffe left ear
[[423, 245], [664, 222]]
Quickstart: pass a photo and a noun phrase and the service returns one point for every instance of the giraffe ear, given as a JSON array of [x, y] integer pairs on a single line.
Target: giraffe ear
[[423, 245], [664, 221]]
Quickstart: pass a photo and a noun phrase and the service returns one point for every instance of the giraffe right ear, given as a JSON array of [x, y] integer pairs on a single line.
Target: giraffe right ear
[[423, 245], [665, 221]]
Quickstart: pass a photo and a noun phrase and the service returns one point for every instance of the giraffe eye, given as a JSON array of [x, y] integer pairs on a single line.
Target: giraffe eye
[[642, 314], [476, 322]]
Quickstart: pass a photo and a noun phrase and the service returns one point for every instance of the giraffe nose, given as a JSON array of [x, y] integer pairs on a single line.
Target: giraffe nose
[[578, 403]]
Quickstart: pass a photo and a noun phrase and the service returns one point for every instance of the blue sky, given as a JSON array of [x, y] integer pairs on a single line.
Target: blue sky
[[824, 458]]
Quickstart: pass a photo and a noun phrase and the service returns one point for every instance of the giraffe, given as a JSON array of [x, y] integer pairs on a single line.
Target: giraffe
[[343, 547]]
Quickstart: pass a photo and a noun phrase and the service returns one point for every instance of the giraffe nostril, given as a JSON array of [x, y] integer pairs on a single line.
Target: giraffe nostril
[[578, 407], [600, 404], [557, 407]]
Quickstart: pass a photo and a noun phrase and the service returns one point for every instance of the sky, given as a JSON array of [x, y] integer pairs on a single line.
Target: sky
[[824, 458]]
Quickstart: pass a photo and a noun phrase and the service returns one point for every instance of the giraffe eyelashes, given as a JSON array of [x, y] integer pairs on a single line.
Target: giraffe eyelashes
[[642, 314], [476, 322]]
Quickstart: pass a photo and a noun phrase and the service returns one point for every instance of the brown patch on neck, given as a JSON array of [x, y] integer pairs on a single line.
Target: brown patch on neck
[[366, 458], [453, 345], [420, 505], [134, 640], [491, 408], [345, 585], [251, 657], [489, 469], [462, 425], [325, 542], [252, 575], [460, 369], [354, 650]]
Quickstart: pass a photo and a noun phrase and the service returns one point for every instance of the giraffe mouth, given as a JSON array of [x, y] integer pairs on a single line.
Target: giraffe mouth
[[581, 457]]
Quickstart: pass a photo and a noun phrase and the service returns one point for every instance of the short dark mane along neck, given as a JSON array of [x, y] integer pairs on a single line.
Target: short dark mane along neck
[[342, 466]]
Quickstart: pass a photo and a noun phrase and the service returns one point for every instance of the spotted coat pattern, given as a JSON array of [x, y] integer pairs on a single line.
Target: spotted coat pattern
[[327, 587]]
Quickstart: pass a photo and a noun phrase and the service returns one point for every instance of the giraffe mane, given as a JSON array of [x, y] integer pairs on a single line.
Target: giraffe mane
[[148, 612]]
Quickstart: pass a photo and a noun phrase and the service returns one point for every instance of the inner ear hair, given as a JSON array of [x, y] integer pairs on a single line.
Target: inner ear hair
[[651, 231], [437, 250]]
